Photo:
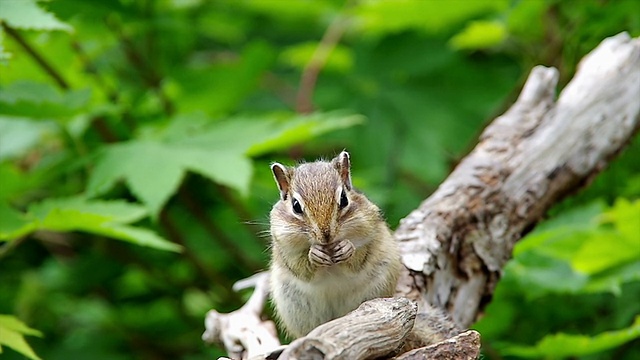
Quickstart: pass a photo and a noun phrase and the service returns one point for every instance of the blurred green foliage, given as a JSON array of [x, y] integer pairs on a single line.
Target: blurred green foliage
[[154, 121]]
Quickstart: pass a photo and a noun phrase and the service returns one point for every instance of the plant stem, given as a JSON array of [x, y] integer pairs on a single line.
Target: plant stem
[[147, 72], [44, 64], [309, 77], [91, 68]]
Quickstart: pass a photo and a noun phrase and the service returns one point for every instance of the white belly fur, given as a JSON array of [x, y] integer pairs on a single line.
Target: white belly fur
[[333, 292]]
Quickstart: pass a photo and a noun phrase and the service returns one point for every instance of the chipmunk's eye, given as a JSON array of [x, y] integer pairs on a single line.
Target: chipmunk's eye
[[297, 208], [343, 200]]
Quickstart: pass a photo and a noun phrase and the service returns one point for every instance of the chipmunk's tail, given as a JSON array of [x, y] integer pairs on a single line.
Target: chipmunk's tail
[[432, 325]]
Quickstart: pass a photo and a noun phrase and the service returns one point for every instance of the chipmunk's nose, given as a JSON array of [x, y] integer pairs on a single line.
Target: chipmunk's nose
[[326, 235]]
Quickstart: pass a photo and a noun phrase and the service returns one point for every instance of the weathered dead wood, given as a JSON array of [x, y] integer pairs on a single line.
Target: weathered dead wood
[[243, 332], [456, 243], [386, 321], [458, 240], [465, 346]]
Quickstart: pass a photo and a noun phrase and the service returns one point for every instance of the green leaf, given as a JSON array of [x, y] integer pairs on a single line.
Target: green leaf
[[480, 35], [289, 10], [263, 134], [153, 170], [392, 16], [573, 253], [12, 223], [611, 280], [540, 275], [14, 181], [13, 323], [551, 236], [26, 14], [606, 247], [301, 129], [108, 218], [625, 216], [18, 135], [117, 211], [137, 235], [41, 100], [579, 251], [12, 332], [565, 345], [4, 55]]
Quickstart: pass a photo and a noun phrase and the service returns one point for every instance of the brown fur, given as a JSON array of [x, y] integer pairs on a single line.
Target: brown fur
[[307, 294]]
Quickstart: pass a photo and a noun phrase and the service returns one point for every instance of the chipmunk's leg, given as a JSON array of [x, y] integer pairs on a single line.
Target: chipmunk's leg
[[343, 251], [320, 256]]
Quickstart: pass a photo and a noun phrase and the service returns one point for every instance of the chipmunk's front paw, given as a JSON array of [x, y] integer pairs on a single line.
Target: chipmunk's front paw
[[320, 256], [343, 251]]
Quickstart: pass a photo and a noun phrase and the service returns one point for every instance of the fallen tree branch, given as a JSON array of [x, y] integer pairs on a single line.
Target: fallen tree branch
[[459, 239], [456, 243], [387, 321]]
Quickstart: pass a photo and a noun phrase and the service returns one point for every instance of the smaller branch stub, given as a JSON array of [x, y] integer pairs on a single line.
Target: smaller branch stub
[[243, 332]]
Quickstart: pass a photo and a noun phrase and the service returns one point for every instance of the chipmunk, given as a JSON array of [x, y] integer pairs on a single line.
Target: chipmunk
[[331, 247]]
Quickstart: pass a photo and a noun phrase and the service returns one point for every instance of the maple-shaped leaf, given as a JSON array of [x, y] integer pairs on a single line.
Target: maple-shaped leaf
[[12, 332], [111, 218], [219, 150], [570, 345], [26, 14], [153, 170]]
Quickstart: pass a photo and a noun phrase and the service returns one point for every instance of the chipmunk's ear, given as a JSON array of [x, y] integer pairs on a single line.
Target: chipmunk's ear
[[342, 162], [281, 175]]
